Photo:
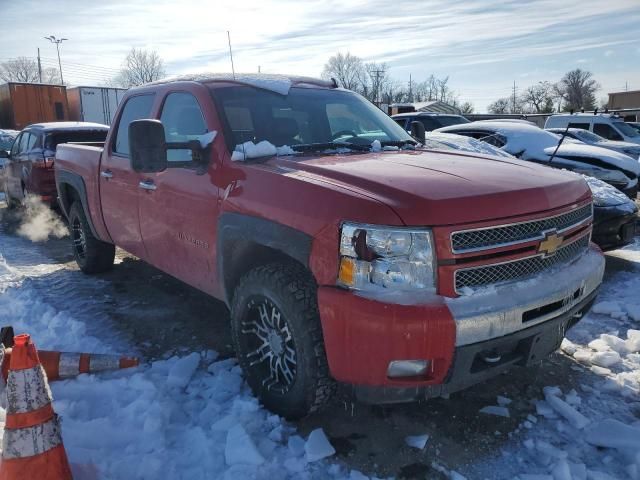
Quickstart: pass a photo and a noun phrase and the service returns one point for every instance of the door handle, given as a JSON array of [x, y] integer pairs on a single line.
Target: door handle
[[147, 185], [106, 174]]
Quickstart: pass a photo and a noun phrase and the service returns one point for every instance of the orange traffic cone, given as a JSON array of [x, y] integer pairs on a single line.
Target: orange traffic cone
[[60, 365], [32, 445]]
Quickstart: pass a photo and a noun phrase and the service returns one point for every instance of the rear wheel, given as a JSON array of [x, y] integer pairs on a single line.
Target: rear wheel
[[278, 339], [91, 254], [11, 203]]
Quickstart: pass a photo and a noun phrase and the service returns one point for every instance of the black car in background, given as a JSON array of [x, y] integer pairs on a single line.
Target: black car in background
[[430, 120]]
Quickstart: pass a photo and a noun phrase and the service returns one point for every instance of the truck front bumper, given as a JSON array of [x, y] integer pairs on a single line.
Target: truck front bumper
[[466, 340]]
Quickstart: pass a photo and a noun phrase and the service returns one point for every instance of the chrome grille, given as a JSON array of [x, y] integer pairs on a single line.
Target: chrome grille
[[518, 269], [492, 237]]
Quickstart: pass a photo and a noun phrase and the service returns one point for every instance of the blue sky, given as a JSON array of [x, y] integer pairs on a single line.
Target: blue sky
[[482, 45]]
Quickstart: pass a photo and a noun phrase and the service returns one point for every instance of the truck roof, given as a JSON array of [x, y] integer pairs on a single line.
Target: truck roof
[[276, 83], [68, 126]]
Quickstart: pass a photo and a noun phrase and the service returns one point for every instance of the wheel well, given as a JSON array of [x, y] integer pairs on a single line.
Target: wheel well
[[68, 196], [243, 256]]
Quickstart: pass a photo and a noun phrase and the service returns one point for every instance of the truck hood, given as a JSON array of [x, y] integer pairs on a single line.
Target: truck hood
[[442, 188]]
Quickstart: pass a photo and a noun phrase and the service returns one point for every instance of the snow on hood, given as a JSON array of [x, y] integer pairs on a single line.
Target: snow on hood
[[533, 143], [612, 157], [280, 84], [606, 194], [434, 140]]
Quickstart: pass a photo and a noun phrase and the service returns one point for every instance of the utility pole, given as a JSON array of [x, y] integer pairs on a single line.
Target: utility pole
[[378, 74], [39, 66], [626, 86], [410, 90], [57, 41], [513, 110]]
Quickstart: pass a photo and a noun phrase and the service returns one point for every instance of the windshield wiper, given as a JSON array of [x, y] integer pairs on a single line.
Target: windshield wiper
[[399, 143], [314, 147]]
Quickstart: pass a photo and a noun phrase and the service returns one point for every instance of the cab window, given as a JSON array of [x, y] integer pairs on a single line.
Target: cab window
[[183, 121], [15, 148]]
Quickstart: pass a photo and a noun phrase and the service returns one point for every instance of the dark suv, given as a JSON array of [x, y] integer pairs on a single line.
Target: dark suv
[[431, 121], [29, 164]]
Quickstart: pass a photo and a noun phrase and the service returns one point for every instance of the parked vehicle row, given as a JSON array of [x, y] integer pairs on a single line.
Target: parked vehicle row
[[606, 125], [590, 138], [345, 252], [29, 163], [614, 214], [534, 144]]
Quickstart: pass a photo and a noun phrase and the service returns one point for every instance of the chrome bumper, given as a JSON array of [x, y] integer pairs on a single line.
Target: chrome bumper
[[503, 310]]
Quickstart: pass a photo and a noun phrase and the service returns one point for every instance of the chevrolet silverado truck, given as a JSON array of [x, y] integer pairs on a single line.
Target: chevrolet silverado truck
[[346, 252]]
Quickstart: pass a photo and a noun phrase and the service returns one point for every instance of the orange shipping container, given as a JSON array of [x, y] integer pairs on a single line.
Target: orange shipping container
[[22, 104]]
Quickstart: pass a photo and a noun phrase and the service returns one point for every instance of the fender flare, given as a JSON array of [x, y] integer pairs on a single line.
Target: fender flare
[[239, 234], [75, 181]]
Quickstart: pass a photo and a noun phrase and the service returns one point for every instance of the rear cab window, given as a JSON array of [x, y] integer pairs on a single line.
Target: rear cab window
[[136, 108], [607, 131], [53, 139]]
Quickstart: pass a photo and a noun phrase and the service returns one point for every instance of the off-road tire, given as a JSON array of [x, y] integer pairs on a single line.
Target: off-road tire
[[292, 290], [98, 256]]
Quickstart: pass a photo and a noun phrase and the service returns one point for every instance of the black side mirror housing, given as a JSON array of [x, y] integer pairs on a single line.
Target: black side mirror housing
[[147, 146], [4, 154], [418, 132]]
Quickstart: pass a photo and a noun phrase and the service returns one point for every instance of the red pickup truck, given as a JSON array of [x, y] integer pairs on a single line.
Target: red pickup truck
[[347, 252]]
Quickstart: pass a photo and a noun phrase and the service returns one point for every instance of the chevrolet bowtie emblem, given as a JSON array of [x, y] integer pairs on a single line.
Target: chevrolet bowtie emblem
[[550, 244]]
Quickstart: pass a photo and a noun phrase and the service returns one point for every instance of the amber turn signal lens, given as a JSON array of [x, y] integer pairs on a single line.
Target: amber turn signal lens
[[347, 273]]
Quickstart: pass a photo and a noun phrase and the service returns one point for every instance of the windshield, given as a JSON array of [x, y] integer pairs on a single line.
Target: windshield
[[586, 136], [304, 117], [627, 130]]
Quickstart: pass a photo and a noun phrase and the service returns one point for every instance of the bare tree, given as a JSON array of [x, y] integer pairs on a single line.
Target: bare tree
[[347, 69], [579, 89], [539, 97], [466, 107], [140, 67], [502, 105], [21, 69], [24, 69]]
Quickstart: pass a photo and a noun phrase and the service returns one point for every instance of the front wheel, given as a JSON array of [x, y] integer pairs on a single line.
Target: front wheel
[[278, 339], [91, 254]]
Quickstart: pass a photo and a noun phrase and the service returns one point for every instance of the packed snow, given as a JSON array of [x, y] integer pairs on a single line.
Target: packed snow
[[189, 417]]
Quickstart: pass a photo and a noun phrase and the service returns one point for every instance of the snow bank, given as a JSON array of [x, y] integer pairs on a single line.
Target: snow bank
[[417, 441]]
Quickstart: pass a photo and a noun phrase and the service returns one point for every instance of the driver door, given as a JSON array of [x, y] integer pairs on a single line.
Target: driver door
[[179, 208]]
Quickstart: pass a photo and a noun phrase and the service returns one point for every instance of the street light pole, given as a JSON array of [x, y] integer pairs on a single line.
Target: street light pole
[[57, 41]]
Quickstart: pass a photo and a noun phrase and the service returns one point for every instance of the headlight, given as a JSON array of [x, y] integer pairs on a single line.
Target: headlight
[[389, 257]]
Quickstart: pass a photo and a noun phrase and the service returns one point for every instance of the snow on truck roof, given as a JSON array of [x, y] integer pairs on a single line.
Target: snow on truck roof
[[275, 83], [69, 126]]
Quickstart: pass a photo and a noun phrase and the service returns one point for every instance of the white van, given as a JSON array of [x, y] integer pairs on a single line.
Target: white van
[[606, 125]]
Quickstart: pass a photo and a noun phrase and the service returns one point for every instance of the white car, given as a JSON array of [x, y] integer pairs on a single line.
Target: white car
[[534, 144], [609, 126], [590, 138]]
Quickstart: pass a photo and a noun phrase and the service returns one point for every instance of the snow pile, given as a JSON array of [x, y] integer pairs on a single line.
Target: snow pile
[[39, 222], [495, 410], [593, 432], [248, 150], [191, 417]]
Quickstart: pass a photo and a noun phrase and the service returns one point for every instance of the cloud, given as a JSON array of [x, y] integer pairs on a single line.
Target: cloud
[[609, 53]]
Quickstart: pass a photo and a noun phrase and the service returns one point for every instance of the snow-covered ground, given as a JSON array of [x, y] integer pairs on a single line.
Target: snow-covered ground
[[193, 417]]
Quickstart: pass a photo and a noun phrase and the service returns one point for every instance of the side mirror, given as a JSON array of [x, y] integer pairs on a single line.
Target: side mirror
[[147, 146], [4, 154], [418, 131]]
